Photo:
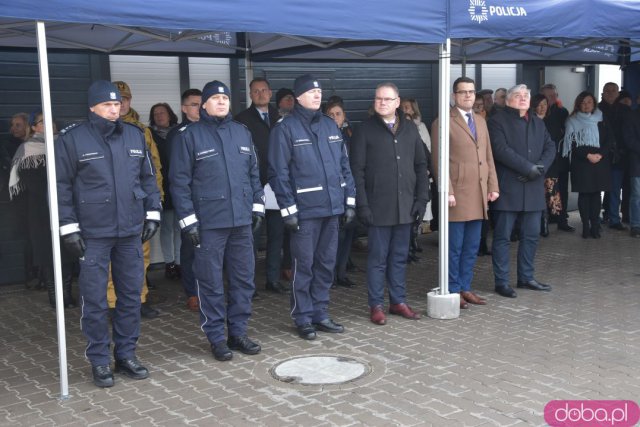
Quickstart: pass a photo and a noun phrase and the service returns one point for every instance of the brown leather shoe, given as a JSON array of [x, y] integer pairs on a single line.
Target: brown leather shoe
[[193, 304], [286, 274], [403, 310], [463, 302], [472, 298], [377, 315]]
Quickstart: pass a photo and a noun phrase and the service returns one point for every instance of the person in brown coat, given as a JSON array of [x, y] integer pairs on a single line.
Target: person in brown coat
[[472, 184]]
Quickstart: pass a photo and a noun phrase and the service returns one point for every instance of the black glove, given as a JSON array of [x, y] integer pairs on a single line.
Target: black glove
[[257, 222], [291, 223], [349, 216], [194, 235], [523, 178], [417, 211], [535, 172], [74, 244], [365, 216], [148, 230]]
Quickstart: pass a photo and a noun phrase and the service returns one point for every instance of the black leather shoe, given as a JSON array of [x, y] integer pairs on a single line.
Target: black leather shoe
[[617, 226], [506, 291], [221, 352], [102, 376], [243, 344], [148, 312], [328, 325], [306, 331], [345, 283], [566, 227], [277, 287], [534, 285], [132, 369]]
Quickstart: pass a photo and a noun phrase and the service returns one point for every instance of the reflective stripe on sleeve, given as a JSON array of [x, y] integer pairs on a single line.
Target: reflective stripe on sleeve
[[185, 222]]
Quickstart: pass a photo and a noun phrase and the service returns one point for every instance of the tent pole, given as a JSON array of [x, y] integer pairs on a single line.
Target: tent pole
[[443, 161], [248, 74], [53, 205], [440, 303]]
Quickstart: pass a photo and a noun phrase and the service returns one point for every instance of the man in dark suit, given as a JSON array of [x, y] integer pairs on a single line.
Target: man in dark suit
[[522, 151], [389, 165], [259, 118]]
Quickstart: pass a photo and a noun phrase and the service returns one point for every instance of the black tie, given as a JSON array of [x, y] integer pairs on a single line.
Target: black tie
[[265, 117]]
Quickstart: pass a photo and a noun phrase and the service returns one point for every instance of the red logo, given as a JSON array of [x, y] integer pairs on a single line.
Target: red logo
[[591, 413]]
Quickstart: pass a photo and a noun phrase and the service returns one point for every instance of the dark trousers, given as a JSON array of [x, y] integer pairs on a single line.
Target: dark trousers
[[127, 269], [387, 260], [529, 235], [313, 253], [617, 176], [275, 245], [345, 239], [589, 207], [435, 205], [464, 241], [186, 267], [563, 188], [233, 249]]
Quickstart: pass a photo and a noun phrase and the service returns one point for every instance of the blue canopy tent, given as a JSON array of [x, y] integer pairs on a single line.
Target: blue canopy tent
[[197, 25], [482, 30]]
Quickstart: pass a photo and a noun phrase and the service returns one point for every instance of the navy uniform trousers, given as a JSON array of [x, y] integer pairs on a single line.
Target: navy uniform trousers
[[127, 268], [233, 249], [313, 254], [186, 266], [529, 235]]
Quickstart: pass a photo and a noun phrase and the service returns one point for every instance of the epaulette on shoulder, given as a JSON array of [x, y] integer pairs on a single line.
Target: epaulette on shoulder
[[68, 128], [280, 120], [183, 128], [134, 125], [240, 123]]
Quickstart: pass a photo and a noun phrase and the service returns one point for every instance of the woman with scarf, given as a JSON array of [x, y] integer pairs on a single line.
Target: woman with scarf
[[586, 139], [29, 176]]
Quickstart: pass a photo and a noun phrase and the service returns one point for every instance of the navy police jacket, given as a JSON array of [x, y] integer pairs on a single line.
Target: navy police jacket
[[214, 178], [106, 182], [308, 166]]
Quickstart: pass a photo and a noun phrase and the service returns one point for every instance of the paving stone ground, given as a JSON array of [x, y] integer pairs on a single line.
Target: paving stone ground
[[496, 365]]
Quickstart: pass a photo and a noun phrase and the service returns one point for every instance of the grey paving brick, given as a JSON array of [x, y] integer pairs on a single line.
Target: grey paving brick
[[496, 365]]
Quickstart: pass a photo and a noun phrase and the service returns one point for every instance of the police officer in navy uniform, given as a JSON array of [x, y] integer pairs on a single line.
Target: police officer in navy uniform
[[109, 204], [216, 191], [309, 173]]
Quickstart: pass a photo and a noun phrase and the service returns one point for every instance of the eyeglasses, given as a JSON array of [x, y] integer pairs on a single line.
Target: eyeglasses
[[465, 92], [193, 104], [38, 122], [385, 100]]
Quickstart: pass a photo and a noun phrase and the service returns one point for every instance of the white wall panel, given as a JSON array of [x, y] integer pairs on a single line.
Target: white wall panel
[[204, 70], [152, 79], [498, 75]]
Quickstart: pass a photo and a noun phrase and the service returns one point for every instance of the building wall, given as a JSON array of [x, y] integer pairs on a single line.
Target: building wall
[[354, 82], [70, 76]]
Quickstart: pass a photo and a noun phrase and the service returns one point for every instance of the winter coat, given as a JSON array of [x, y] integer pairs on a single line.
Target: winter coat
[[518, 144], [390, 170], [472, 174]]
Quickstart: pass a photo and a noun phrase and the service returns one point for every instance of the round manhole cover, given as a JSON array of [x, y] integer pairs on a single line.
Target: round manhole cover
[[316, 370]]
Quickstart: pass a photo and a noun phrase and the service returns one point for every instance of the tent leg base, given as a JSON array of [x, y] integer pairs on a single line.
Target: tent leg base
[[443, 306]]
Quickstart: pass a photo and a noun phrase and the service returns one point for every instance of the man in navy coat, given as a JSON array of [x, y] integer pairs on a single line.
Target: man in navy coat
[[522, 150]]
